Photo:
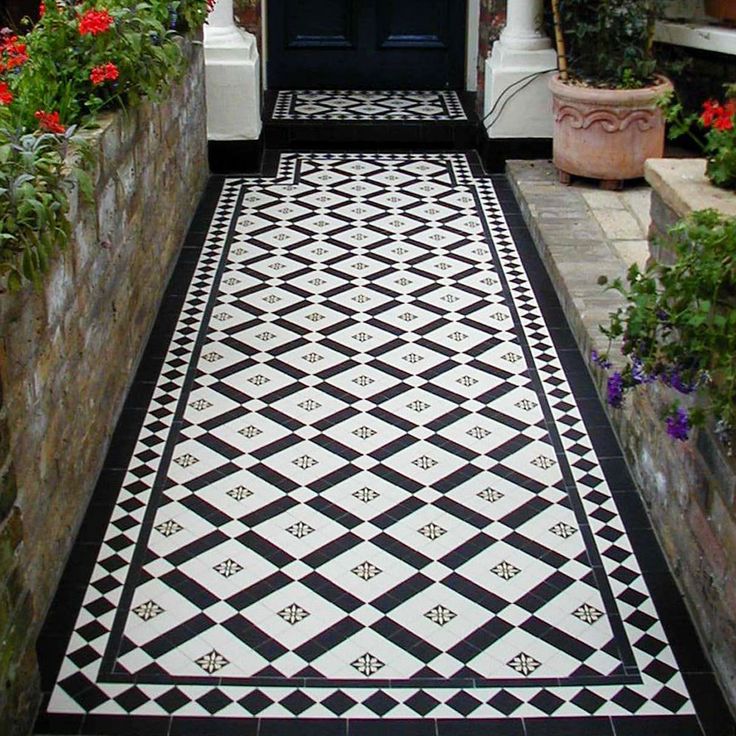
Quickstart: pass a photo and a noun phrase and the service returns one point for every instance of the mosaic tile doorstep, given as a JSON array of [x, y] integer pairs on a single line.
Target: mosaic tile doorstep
[[363, 488], [368, 105]]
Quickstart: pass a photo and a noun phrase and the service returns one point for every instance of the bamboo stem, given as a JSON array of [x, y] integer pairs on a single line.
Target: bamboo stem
[[559, 41]]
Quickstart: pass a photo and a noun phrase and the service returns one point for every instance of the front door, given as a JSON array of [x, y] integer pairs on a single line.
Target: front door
[[366, 44]]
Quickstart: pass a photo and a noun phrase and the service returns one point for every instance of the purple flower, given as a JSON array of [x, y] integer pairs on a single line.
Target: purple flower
[[615, 389], [599, 360], [638, 373], [678, 424], [674, 379]]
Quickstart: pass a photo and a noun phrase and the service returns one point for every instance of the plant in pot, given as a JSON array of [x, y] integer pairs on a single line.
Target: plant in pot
[[606, 118]]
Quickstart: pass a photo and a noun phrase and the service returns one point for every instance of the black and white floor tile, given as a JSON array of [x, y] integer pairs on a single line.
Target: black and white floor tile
[[368, 105], [363, 488]]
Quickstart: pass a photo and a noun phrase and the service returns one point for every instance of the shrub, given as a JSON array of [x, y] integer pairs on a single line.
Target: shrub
[[679, 326]]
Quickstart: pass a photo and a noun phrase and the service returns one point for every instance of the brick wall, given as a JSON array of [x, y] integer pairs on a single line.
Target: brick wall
[[69, 351]]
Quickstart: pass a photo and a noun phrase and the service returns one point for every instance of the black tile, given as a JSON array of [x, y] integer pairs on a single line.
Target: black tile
[[392, 727], [579, 726], [124, 438], [303, 727], [58, 724], [632, 511], [710, 705], [617, 473], [99, 725], [656, 726], [481, 727], [205, 726]]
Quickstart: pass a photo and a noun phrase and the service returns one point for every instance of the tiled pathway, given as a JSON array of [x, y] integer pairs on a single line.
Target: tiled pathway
[[363, 490]]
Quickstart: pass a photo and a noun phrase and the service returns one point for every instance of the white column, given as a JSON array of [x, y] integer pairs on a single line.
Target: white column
[[232, 77], [523, 21], [517, 102]]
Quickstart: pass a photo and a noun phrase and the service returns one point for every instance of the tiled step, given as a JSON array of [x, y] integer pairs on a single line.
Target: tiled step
[[370, 118]]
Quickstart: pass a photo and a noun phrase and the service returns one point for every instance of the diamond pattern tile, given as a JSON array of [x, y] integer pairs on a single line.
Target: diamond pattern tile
[[355, 493], [369, 105]]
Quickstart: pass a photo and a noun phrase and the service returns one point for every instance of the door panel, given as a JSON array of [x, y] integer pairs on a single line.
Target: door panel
[[331, 27], [366, 44], [400, 26]]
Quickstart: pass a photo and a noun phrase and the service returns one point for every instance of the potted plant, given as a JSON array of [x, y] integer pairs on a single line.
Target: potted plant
[[606, 118]]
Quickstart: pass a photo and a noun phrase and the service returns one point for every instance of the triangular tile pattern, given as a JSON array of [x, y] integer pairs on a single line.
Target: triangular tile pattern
[[368, 105], [363, 487]]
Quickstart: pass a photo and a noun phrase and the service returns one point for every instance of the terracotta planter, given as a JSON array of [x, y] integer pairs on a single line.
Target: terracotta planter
[[721, 9], [606, 134]]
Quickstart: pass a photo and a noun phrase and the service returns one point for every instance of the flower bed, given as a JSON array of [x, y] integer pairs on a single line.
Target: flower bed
[[80, 59]]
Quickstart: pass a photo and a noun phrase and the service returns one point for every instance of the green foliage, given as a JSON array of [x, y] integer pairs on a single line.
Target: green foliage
[[33, 204], [679, 324], [609, 43]]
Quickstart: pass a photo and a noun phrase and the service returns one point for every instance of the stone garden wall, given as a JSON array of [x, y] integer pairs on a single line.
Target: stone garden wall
[[691, 489], [68, 353]]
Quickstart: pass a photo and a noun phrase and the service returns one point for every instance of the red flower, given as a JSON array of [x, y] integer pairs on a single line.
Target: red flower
[[718, 116], [6, 96], [49, 121], [104, 73], [12, 53], [41, 10], [94, 22], [711, 111], [723, 123]]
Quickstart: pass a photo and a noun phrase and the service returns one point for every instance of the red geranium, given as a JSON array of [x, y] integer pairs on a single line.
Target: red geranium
[[104, 73], [6, 96], [41, 10], [49, 121], [718, 116], [94, 22], [13, 53]]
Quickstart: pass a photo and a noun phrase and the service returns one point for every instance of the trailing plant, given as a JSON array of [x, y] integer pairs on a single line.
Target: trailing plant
[[679, 326], [713, 131], [609, 43]]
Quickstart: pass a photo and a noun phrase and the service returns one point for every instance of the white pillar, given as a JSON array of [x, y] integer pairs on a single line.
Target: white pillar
[[523, 23], [517, 102], [232, 77]]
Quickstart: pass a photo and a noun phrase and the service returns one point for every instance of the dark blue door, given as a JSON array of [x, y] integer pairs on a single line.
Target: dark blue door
[[366, 44]]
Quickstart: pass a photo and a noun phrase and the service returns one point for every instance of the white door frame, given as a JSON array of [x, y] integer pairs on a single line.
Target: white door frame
[[471, 44]]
